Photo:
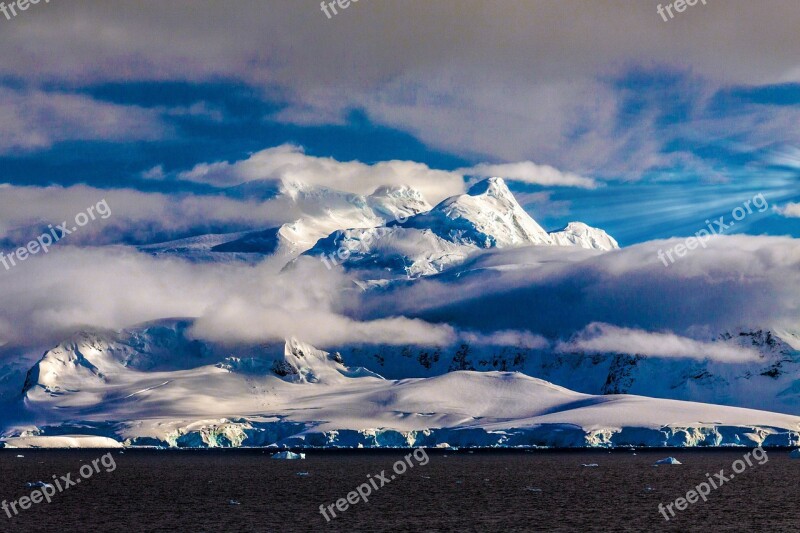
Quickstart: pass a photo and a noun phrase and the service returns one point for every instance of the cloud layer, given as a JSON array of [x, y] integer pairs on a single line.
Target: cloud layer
[[556, 292], [288, 163], [603, 338], [72, 288]]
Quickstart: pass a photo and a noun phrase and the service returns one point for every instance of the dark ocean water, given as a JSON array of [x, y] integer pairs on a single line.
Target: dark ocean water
[[191, 491]]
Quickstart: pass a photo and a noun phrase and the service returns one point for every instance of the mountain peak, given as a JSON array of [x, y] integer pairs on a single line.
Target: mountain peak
[[494, 187]]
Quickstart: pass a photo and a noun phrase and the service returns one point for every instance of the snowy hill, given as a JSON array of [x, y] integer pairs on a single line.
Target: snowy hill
[[301, 396], [156, 386]]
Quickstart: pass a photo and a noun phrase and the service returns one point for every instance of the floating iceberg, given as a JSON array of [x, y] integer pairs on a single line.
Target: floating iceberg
[[289, 455], [37, 484], [667, 461]]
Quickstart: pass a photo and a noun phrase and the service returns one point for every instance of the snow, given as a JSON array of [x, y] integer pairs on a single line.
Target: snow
[[61, 441], [487, 216], [288, 455], [153, 385], [317, 401], [579, 234]]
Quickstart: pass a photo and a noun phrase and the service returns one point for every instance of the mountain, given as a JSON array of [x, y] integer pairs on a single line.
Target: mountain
[[486, 217], [319, 210], [579, 234], [475, 262], [156, 386]]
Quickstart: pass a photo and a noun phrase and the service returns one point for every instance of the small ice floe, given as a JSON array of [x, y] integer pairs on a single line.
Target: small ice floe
[[533, 489], [649, 489], [288, 455], [37, 484], [233, 502], [667, 461], [303, 474], [591, 465], [794, 454], [20, 457]]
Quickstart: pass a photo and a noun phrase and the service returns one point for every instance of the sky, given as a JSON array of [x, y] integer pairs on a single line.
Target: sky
[[601, 112], [673, 122]]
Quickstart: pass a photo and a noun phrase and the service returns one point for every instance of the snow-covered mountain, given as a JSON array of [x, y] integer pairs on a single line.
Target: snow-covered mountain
[[579, 234], [155, 386], [320, 211], [494, 384], [487, 216]]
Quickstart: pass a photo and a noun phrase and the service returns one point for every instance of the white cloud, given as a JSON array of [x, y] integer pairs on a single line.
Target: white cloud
[[555, 291], [518, 339], [135, 216], [530, 172], [790, 210], [112, 288], [288, 163], [35, 119], [598, 338]]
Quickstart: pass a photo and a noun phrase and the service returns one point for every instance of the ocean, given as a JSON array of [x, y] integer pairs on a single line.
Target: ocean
[[247, 490]]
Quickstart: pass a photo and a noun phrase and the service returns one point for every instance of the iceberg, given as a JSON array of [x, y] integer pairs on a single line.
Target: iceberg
[[288, 455]]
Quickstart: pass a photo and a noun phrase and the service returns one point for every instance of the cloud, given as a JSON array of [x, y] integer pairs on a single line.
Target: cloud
[[288, 163], [34, 119], [598, 338], [554, 291], [136, 217], [530, 172], [518, 339], [790, 210], [111, 288], [534, 80]]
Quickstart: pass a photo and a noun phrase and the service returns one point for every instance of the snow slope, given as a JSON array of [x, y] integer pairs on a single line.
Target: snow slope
[[96, 385]]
